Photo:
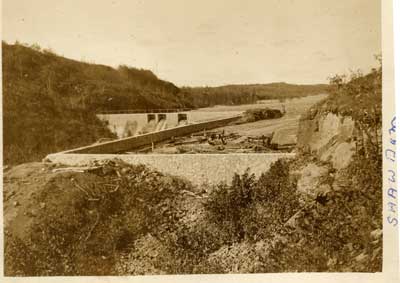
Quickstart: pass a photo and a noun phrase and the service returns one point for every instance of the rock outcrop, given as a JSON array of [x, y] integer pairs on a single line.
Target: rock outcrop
[[328, 136]]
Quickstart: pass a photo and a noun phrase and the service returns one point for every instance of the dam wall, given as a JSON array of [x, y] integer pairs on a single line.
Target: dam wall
[[133, 124], [125, 125], [199, 169], [126, 144]]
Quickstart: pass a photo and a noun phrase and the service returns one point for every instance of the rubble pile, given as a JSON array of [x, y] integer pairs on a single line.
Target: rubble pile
[[80, 220], [216, 141]]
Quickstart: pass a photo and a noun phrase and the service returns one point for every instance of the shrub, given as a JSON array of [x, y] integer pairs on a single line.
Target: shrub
[[332, 236], [255, 208], [227, 203], [253, 115]]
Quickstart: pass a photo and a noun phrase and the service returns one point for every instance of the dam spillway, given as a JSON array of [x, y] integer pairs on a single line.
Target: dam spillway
[[197, 168], [133, 124]]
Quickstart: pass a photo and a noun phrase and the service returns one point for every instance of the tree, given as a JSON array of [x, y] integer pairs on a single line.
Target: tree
[[337, 81]]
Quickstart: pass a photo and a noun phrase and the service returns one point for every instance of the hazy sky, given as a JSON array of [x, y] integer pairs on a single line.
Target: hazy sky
[[206, 42]]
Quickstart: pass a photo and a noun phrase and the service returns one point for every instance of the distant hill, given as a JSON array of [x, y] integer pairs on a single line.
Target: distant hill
[[249, 93], [284, 90]]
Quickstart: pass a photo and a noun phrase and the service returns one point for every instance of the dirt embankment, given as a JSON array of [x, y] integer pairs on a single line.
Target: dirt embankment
[[80, 221]]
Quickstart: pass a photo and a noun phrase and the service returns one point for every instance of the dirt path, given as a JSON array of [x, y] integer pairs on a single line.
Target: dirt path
[[294, 109], [263, 127]]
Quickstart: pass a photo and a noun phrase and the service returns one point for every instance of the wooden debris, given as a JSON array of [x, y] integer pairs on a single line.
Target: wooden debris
[[75, 169], [94, 226]]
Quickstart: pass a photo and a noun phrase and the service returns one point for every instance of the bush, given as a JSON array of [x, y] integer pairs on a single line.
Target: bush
[[253, 115], [254, 209], [227, 203], [334, 235], [338, 235]]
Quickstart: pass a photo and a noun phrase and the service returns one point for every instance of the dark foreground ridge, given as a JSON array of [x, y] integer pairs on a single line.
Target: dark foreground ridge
[[117, 219]]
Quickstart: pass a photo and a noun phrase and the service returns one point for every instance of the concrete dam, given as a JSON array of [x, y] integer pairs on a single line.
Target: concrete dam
[[199, 169], [141, 129], [133, 124], [196, 168]]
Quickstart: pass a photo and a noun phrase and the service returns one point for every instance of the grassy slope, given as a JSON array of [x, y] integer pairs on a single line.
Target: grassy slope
[[50, 101]]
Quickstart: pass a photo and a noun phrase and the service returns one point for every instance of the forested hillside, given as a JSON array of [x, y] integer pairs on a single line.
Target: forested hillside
[[243, 94]]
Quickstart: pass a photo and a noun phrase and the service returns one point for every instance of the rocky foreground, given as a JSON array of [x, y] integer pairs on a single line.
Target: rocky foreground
[[311, 214], [320, 212]]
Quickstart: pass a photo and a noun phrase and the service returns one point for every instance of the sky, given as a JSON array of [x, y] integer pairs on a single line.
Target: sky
[[207, 42]]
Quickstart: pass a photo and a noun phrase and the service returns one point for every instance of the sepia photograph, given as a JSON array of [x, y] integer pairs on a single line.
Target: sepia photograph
[[194, 137]]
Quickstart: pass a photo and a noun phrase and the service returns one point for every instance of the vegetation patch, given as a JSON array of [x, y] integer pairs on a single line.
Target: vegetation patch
[[253, 115]]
